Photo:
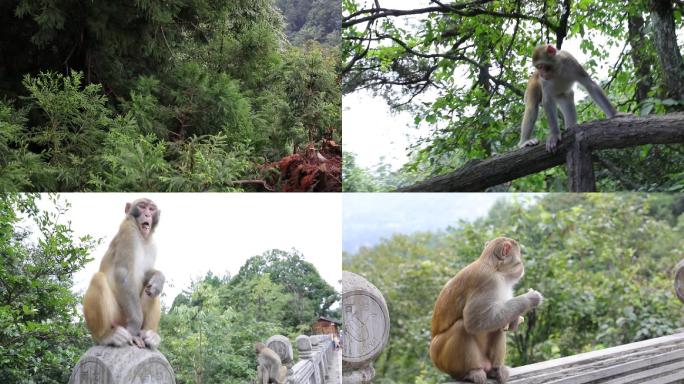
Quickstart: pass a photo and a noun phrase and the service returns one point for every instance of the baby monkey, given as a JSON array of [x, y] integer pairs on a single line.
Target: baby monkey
[[551, 85]]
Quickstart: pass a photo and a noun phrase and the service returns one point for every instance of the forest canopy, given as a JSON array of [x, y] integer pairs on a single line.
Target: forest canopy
[[461, 68], [180, 95], [604, 263]]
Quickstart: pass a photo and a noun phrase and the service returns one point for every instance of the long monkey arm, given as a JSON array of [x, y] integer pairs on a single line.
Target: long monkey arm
[[598, 96]]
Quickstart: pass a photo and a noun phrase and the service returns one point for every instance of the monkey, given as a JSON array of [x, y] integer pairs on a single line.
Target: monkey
[[121, 305], [473, 310], [270, 368], [551, 84]]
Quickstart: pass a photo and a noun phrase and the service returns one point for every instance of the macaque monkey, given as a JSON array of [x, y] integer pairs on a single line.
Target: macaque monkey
[[551, 84], [121, 305], [474, 309], [270, 368]]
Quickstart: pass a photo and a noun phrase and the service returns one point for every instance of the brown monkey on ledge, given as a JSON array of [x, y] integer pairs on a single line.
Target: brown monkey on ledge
[[269, 368], [474, 309], [121, 305]]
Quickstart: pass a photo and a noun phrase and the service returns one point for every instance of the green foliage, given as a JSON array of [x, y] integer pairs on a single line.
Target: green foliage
[[16, 161], [191, 95], [70, 126], [210, 330], [311, 295], [39, 339], [208, 341], [603, 263], [312, 20]]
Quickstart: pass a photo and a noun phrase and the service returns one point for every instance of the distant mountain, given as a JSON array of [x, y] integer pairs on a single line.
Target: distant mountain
[[312, 20]]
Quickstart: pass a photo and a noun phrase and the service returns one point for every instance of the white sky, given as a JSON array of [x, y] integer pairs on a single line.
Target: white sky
[[370, 217], [376, 134], [199, 232]]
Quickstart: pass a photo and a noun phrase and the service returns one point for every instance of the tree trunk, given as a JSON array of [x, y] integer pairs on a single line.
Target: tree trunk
[[665, 41], [640, 58]]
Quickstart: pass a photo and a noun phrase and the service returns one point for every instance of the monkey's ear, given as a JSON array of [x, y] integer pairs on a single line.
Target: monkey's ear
[[128, 208], [551, 50]]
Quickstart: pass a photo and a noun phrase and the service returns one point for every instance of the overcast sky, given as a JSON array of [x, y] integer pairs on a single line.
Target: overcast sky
[[199, 232], [370, 217]]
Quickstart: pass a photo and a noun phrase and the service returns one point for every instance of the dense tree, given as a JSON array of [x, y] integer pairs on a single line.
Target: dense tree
[[462, 67], [311, 295], [181, 95], [40, 336], [209, 332], [603, 262], [312, 20]]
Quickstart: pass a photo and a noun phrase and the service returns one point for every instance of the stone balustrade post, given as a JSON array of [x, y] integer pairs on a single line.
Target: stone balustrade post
[[282, 346], [366, 328], [122, 365]]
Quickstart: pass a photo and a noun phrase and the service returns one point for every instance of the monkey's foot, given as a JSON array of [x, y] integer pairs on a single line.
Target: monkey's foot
[[477, 376], [150, 338], [500, 374], [552, 143], [528, 143], [119, 337]]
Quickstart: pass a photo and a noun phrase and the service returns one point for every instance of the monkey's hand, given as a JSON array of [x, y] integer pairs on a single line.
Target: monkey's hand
[[534, 297], [552, 143], [154, 285], [513, 326], [528, 143], [150, 338]]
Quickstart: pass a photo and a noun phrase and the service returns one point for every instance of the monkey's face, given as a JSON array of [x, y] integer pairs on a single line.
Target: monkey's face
[[513, 267], [545, 70], [146, 215], [544, 61]]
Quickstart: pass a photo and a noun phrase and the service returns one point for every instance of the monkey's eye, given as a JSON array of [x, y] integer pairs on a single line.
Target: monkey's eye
[[543, 67]]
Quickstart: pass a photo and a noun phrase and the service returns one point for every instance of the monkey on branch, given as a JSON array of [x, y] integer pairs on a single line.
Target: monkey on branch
[[473, 311], [121, 306], [551, 86]]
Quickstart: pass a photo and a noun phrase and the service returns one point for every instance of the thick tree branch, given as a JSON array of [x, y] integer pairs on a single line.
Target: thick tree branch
[[619, 132]]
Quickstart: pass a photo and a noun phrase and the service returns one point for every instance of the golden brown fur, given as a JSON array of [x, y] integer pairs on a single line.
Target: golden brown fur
[[121, 305], [472, 311]]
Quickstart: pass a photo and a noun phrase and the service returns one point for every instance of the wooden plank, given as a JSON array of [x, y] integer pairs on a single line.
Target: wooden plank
[[660, 359], [594, 355], [672, 378], [592, 376], [639, 377]]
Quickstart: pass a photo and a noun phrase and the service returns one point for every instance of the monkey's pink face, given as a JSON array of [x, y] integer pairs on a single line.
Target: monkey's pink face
[[545, 71], [145, 216]]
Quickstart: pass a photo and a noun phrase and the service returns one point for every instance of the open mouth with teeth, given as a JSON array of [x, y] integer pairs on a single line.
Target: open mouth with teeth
[[145, 227]]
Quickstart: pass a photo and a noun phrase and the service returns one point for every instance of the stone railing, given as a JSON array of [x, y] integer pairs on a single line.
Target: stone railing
[[122, 365], [316, 355]]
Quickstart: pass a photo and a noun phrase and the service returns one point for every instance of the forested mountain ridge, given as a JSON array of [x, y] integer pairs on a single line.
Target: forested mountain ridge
[[185, 95], [318, 20]]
